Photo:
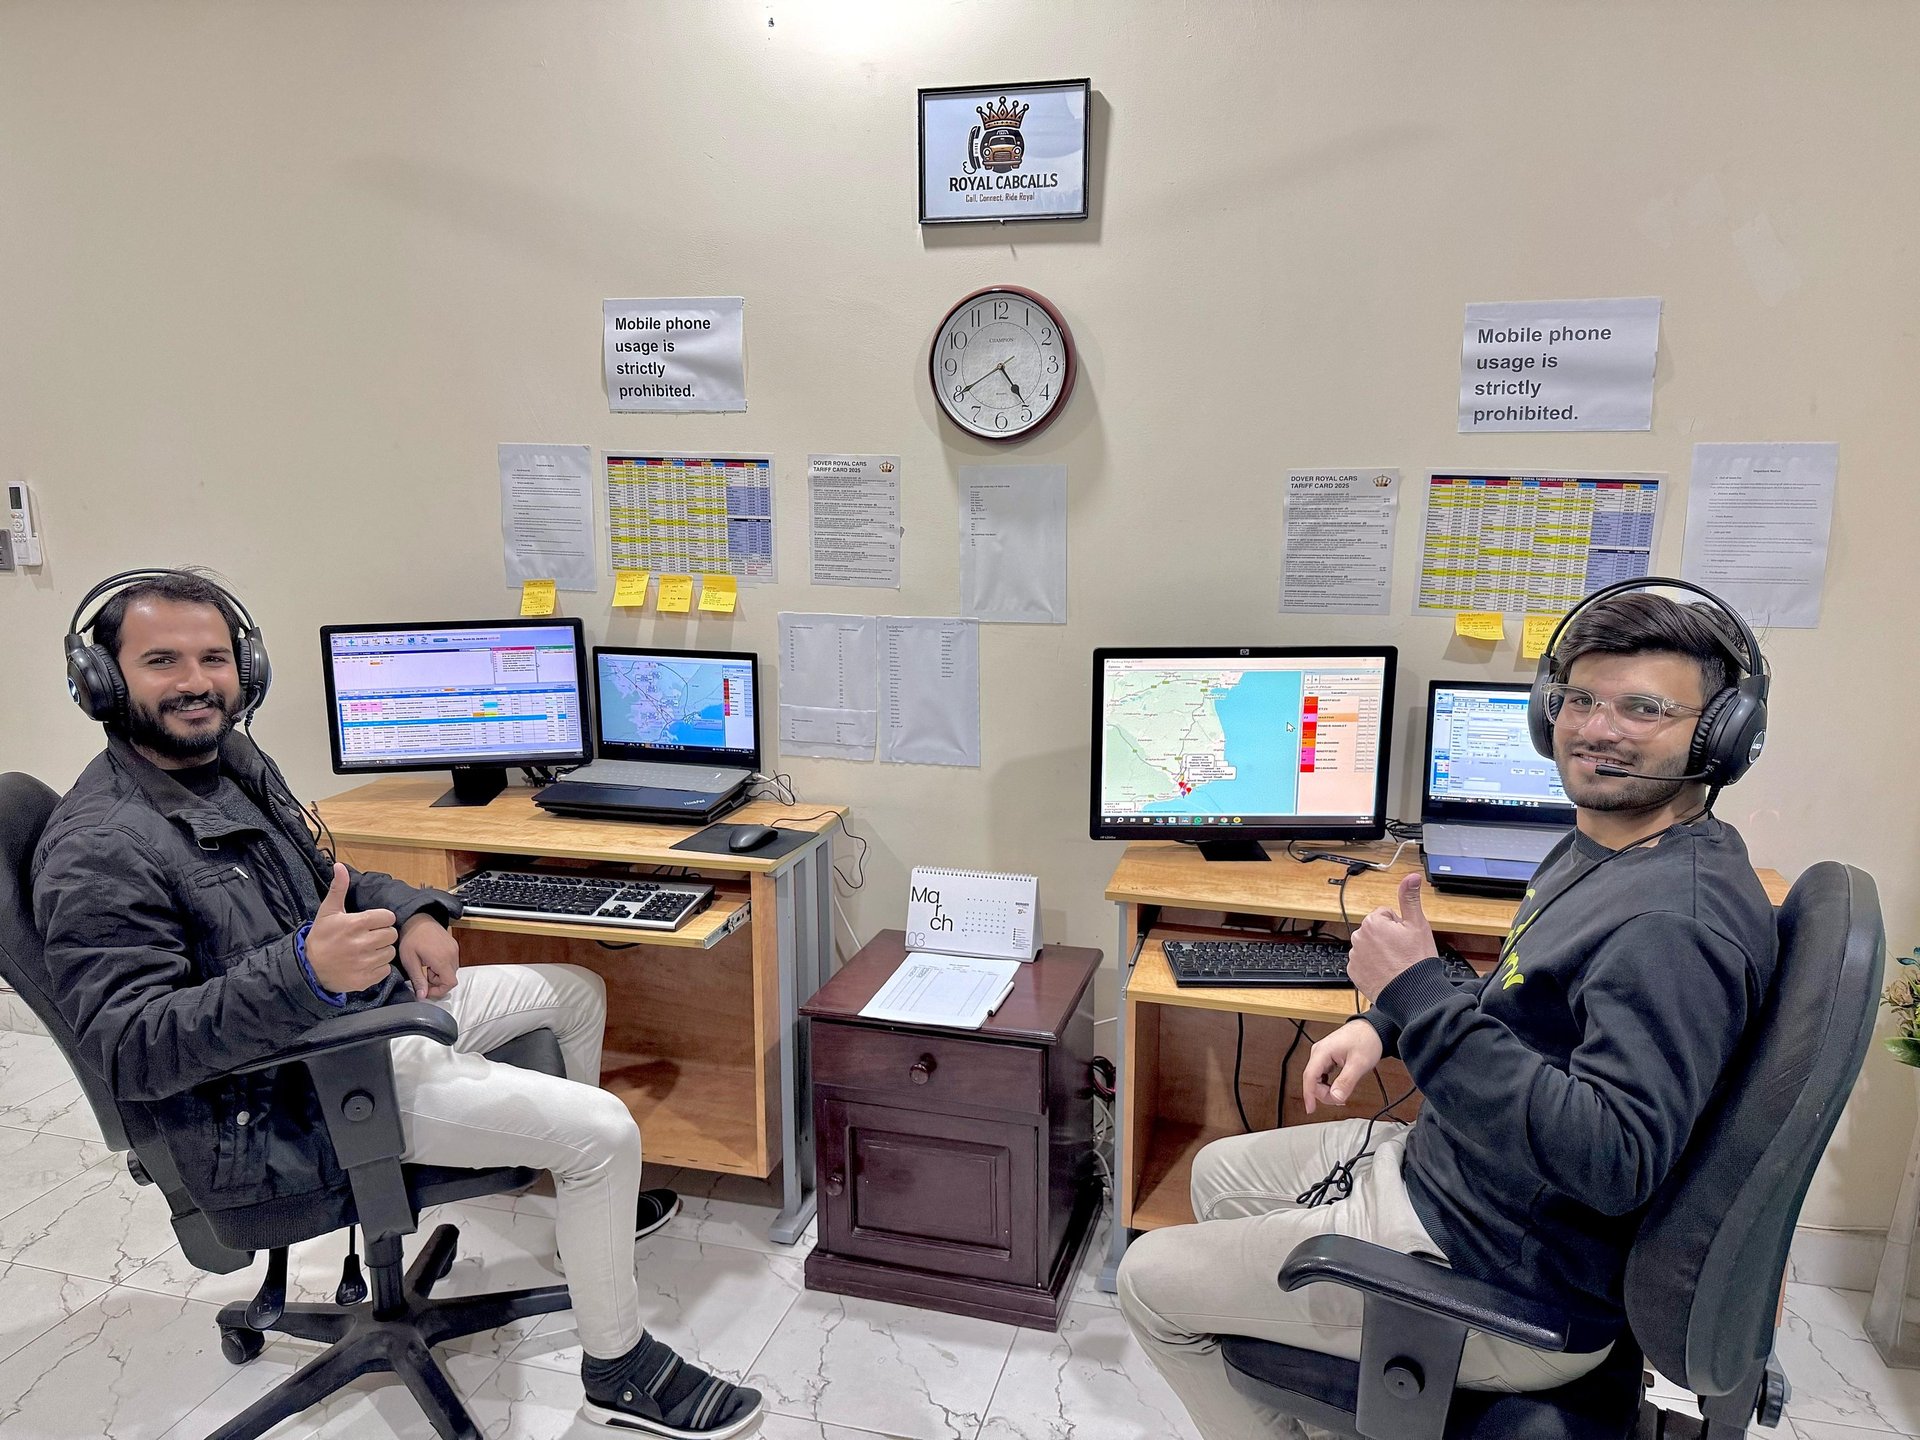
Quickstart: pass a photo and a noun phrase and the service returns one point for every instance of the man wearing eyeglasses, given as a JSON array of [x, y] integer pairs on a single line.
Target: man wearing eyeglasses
[[1558, 1092]]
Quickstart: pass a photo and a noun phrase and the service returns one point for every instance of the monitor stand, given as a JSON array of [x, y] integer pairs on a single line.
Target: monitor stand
[[1232, 850], [474, 785]]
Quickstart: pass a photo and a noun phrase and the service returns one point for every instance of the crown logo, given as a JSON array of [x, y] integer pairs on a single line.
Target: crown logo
[[1000, 114]]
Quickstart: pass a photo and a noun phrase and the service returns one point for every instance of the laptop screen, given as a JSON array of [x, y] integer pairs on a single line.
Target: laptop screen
[[677, 705], [1481, 764]]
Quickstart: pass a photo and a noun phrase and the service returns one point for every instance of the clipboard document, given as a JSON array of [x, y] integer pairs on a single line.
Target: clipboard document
[[952, 990]]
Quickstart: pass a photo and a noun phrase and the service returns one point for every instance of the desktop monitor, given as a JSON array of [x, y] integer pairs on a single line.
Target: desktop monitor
[[1481, 764], [1226, 746], [691, 706], [474, 696]]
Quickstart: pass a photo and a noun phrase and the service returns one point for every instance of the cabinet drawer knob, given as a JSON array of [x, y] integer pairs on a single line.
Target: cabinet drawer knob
[[836, 1182], [922, 1070]]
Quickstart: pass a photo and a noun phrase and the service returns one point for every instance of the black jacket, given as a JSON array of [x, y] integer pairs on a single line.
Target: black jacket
[[169, 930]]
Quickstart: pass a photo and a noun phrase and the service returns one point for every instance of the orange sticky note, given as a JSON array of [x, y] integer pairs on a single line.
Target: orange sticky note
[[1535, 631], [676, 594], [536, 597], [719, 593], [1480, 625], [630, 586]]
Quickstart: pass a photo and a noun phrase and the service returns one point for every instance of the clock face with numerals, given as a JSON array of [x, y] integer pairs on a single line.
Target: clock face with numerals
[[1002, 364]]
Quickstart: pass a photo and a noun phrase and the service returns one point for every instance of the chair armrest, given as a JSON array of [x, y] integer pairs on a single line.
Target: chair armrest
[[343, 1032], [1422, 1285]]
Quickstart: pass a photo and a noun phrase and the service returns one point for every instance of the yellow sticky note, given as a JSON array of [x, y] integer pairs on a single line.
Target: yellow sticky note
[[719, 592], [630, 586], [676, 594], [536, 597], [1480, 625], [1535, 633]]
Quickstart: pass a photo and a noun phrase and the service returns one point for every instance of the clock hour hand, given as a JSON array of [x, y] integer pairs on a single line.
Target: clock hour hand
[[1002, 368]]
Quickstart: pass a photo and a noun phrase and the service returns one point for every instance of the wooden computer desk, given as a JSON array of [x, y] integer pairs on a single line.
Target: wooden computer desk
[[1175, 1048], [702, 1036]]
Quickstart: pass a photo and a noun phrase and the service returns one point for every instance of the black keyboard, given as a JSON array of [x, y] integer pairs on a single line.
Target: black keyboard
[[1312, 962], [583, 899]]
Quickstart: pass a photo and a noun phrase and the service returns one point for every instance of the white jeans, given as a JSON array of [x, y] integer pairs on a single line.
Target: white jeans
[[1183, 1286], [459, 1108]]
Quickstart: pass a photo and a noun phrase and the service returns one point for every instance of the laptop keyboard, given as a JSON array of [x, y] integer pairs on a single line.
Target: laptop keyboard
[[582, 899], [1489, 842], [651, 774], [1318, 963]]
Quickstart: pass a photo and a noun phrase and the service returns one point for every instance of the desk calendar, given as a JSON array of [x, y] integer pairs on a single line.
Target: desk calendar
[[970, 912]]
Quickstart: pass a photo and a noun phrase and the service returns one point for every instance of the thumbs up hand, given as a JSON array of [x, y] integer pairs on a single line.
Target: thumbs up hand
[[1389, 943], [349, 950]]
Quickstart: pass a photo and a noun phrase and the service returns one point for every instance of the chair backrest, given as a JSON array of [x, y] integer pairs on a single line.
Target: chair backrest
[[25, 804], [1703, 1279]]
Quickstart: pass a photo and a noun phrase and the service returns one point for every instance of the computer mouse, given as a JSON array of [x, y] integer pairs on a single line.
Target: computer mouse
[[750, 837]]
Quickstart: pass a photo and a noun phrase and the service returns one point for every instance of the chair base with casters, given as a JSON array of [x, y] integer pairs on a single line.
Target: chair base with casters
[[395, 1331]]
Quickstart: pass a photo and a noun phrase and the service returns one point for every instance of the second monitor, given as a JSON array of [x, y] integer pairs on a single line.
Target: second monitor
[[1227, 746]]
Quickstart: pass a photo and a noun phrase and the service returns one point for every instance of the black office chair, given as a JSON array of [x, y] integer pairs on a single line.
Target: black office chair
[[352, 1071], [1703, 1278]]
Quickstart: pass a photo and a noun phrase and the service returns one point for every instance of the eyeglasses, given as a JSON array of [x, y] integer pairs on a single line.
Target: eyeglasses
[[1630, 714]]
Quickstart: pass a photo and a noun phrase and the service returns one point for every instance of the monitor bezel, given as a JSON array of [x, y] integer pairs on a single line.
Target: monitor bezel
[[1477, 812], [684, 755], [1323, 828], [344, 766]]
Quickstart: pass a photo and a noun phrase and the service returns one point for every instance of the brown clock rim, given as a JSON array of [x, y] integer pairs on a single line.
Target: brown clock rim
[[1066, 385]]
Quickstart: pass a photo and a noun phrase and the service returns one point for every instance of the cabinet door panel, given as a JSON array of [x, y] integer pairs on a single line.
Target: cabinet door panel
[[929, 1192]]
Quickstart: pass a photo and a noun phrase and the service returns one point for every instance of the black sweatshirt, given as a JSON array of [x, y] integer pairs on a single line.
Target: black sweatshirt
[[1560, 1090]]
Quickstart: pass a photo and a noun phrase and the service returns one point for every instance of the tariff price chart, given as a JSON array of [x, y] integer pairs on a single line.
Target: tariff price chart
[[691, 515]]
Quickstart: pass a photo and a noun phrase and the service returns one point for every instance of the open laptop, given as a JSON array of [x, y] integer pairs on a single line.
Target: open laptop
[[676, 736], [1492, 806]]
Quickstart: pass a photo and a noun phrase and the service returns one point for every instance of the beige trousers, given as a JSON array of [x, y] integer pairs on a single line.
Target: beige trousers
[[1182, 1286], [459, 1108]]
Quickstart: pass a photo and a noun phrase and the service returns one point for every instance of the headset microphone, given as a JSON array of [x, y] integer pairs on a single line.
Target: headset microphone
[[1615, 772]]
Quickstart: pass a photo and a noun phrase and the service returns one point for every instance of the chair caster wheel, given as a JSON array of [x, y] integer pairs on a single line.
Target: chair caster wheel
[[241, 1345]]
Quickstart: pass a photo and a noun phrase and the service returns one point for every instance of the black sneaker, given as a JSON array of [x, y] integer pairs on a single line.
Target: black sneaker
[[663, 1395], [654, 1210]]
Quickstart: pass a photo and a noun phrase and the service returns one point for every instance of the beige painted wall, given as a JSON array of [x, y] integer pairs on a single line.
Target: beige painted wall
[[277, 277]]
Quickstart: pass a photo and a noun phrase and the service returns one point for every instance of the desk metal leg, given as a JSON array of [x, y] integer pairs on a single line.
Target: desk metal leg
[[1116, 1234], [797, 897]]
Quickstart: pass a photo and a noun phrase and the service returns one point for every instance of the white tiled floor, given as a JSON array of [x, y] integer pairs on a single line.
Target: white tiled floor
[[106, 1331]]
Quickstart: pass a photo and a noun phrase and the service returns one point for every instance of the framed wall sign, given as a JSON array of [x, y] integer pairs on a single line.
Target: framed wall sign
[[1004, 152]]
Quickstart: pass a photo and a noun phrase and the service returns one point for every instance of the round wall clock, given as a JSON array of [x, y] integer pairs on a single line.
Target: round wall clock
[[1002, 364]]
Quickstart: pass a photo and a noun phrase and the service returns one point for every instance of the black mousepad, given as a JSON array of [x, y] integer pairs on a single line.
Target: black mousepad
[[713, 841]]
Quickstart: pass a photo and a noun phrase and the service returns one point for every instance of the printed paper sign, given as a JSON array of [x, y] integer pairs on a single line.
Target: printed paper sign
[[686, 355]]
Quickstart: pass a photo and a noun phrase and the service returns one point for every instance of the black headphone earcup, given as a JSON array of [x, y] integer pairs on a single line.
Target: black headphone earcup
[[1731, 732], [1539, 723], [95, 682], [255, 669]]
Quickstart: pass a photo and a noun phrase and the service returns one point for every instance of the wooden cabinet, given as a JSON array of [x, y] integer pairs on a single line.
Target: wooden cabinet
[[955, 1169]]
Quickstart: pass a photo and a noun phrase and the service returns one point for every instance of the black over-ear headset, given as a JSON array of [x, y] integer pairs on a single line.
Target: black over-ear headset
[[1733, 725], [93, 674]]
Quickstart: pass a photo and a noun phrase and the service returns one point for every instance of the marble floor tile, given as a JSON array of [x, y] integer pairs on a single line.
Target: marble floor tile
[[730, 1210], [1090, 1379], [38, 1300], [63, 1110], [1086, 1285], [1844, 1312], [32, 1163], [125, 1365], [717, 1305], [374, 1407], [499, 1250], [870, 1365], [791, 1427], [30, 1065], [99, 1224], [1819, 1430], [1838, 1380], [16, 1014]]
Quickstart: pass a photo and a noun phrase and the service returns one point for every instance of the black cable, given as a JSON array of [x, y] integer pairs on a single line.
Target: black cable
[[860, 861], [1239, 1048], [1280, 1099], [1337, 1183]]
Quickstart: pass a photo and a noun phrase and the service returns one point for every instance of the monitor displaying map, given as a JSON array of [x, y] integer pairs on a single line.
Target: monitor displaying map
[[1259, 742], [673, 704]]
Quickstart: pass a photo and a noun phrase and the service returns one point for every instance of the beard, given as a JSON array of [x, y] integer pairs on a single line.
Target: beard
[[148, 728], [1607, 792]]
